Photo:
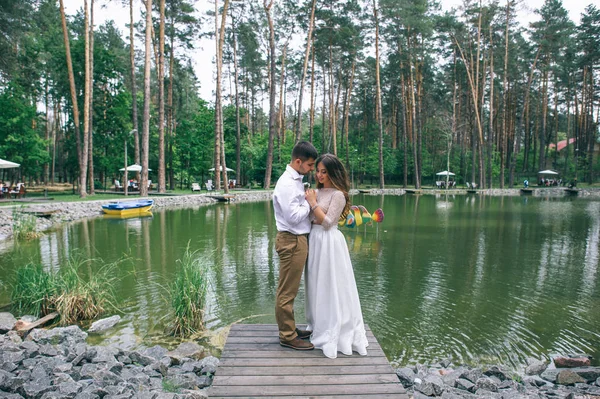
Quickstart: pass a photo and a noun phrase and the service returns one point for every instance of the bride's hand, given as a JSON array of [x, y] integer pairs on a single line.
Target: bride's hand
[[311, 197]]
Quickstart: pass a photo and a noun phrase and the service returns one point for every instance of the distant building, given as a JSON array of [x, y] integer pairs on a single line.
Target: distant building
[[561, 144]]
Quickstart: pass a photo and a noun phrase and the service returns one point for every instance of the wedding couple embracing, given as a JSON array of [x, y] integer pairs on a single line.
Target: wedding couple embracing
[[308, 235]]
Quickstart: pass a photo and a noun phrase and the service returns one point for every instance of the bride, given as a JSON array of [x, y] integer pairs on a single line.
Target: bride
[[332, 305]]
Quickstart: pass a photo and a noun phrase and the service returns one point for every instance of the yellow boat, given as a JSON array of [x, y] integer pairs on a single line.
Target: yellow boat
[[128, 208]]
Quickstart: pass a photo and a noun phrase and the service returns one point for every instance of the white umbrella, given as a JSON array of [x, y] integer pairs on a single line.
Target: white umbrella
[[547, 172], [445, 173], [133, 168], [7, 164], [221, 169]]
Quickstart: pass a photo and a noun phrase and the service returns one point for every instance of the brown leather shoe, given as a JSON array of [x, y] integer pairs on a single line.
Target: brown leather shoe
[[297, 344], [303, 334]]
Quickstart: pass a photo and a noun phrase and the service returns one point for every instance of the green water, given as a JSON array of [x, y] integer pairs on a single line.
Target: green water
[[474, 279]]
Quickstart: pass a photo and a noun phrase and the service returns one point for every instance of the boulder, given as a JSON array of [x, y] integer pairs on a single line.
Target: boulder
[[187, 349], [563, 361], [568, 377], [535, 366], [104, 324], [406, 375], [7, 322]]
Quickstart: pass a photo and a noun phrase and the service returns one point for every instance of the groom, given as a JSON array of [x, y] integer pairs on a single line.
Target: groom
[[293, 226]]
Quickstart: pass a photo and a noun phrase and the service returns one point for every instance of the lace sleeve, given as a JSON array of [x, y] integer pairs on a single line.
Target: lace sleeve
[[338, 202]]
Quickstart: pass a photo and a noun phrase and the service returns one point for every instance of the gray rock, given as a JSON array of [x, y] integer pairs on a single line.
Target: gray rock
[[12, 356], [535, 381], [485, 394], [568, 377], [35, 390], [419, 395], [60, 335], [550, 375], [209, 365], [6, 395], [453, 393], [471, 375], [406, 375], [598, 381], [464, 385], [106, 378], [102, 354], [431, 385], [157, 352], [590, 374], [165, 395], [535, 366], [7, 322], [4, 377], [450, 376], [487, 384], [187, 349], [8, 366], [104, 324], [497, 372], [69, 389], [196, 394], [184, 381], [146, 395], [62, 368], [47, 350], [88, 370], [31, 348], [139, 358]]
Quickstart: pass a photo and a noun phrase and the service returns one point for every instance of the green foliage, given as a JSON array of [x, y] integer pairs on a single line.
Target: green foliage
[[188, 294], [24, 225], [68, 291]]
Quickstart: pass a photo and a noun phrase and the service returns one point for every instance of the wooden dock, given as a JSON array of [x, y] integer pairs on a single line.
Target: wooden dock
[[413, 191], [471, 191], [254, 365], [222, 198], [527, 191]]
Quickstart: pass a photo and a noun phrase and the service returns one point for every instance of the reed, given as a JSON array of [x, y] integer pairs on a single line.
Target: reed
[[188, 294], [24, 226], [68, 291]]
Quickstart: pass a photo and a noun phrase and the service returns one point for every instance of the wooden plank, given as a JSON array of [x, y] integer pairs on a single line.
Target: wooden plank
[[22, 326], [362, 396], [275, 347], [268, 327], [297, 370], [294, 361], [285, 352], [266, 333], [254, 365], [282, 390], [268, 340], [306, 379]]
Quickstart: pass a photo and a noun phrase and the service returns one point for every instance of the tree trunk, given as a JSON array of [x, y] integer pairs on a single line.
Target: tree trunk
[[86, 107], [237, 103], [379, 104], [304, 70], [143, 183], [91, 105], [312, 97], [272, 94], [134, 113], [221, 133], [161, 100], [171, 112]]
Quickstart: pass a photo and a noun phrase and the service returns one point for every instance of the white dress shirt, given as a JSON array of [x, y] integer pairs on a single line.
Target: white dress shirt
[[291, 207]]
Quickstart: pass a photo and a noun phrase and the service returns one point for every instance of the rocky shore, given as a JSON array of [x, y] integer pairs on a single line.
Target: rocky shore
[[58, 363]]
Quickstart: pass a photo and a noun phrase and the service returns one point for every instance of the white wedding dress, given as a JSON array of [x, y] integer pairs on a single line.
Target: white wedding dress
[[333, 310]]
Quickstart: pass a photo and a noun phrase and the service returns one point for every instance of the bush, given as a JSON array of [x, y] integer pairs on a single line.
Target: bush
[[39, 292], [24, 225], [188, 294]]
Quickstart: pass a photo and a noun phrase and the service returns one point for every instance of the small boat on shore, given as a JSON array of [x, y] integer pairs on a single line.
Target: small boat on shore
[[128, 208]]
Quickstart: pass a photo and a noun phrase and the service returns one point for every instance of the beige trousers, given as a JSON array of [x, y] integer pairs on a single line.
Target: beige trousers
[[293, 251]]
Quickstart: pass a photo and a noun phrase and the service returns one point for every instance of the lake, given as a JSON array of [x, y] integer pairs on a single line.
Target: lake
[[475, 279]]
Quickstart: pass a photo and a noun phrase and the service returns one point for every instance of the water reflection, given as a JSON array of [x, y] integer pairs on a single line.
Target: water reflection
[[471, 278]]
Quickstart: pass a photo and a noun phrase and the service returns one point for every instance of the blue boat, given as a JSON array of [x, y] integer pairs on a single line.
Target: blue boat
[[128, 208]]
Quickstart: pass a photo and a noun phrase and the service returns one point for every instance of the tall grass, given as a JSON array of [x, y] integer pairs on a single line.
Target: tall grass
[[68, 291], [24, 225], [188, 294]]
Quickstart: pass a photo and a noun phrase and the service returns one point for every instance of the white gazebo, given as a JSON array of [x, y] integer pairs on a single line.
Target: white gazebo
[[133, 168], [221, 169], [7, 164], [548, 172], [445, 173]]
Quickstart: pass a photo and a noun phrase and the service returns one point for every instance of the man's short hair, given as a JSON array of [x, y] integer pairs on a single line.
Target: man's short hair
[[304, 151]]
